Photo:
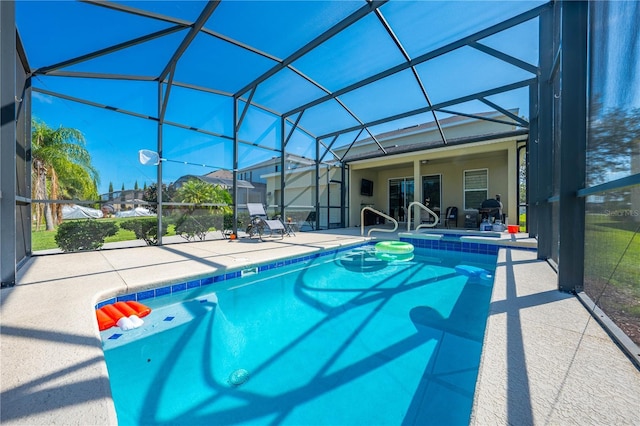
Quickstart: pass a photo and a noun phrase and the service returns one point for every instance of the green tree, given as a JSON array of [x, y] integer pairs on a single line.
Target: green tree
[[522, 177], [614, 140], [136, 195], [198, 192], [151, 195], [61, 169], [198, 221], [110, 191]]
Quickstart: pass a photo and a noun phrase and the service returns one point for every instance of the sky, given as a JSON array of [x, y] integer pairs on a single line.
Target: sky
[[277, 29]]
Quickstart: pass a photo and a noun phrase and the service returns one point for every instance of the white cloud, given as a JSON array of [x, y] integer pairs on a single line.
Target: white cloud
[[40, 97]]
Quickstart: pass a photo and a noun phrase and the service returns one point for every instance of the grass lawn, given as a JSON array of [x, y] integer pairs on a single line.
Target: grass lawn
[[612, 250], [45, 240], [522, 220], [607, 244]]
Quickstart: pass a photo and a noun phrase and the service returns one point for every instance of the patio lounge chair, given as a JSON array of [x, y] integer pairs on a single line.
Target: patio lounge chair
[[310, 220], [260, 225]]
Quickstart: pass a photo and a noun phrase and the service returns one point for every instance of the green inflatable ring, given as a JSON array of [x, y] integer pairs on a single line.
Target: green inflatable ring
[[404, 257], [394, 250], [394, 247]]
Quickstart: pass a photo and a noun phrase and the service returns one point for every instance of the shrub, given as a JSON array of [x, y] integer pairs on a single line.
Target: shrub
[[87, 234], [145, 229], [228, 220], [190, 226]]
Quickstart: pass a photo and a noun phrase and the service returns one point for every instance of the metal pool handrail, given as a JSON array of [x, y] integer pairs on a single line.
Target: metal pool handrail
[[395, 223], [428, 210]]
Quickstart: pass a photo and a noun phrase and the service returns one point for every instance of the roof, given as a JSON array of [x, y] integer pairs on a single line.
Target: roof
[[403, 149], [215, 180]]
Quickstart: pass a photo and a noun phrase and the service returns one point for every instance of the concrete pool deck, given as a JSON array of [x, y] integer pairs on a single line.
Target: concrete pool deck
[[545, 359]]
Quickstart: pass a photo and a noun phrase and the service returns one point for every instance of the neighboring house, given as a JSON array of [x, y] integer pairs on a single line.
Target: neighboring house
[[126, 199], [260, 173], [479, 161], [224, 178]]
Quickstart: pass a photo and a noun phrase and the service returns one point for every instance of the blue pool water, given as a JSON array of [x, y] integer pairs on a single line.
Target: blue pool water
[[345, 339]]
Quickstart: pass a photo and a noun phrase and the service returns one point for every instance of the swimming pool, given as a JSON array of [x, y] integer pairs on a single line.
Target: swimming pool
[[343, 339]]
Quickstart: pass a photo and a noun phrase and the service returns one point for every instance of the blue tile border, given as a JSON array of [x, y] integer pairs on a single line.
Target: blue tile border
[[465, 247], [149, 294], [462, 246], [126, 298], [188, 285]]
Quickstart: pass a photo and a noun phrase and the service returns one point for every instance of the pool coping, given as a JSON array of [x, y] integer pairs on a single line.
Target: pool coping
[[53, 368], [159, 289]]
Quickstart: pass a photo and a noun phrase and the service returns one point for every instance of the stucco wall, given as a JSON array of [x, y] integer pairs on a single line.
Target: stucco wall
[[451, 167], [449, 161]]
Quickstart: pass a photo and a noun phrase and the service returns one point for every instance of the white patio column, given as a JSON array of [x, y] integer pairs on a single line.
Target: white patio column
[[512, 185], [417, 192]]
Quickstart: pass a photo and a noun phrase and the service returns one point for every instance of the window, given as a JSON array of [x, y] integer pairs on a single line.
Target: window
[[476, 187]]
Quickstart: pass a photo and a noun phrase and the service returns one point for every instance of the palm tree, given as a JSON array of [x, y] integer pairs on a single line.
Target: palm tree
[[61, 169], [196, 191]]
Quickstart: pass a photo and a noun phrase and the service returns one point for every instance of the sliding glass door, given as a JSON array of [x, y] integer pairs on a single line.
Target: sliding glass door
[[431, 191], [400, 195]]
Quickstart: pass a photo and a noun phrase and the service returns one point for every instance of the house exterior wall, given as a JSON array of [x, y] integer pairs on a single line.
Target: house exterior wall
[[300, 193], [499, 158]]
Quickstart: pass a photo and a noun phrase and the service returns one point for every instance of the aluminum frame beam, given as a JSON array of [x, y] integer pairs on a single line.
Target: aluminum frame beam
[[342, 104], [523, 17], [22, 54], [369, 7], [475, 96], [245, 109], [180, 22], [103, 76], [407, 58], [159, 148], [327, 148], [144, 116], [136, 11], [198, 27], [506, 58], [167, 93], [509, 114], [293, 128], [94, 104], [193, 32], [7, 144], [351, 146], [572, 156], [479, 117], [540, 146], [108, 50]]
